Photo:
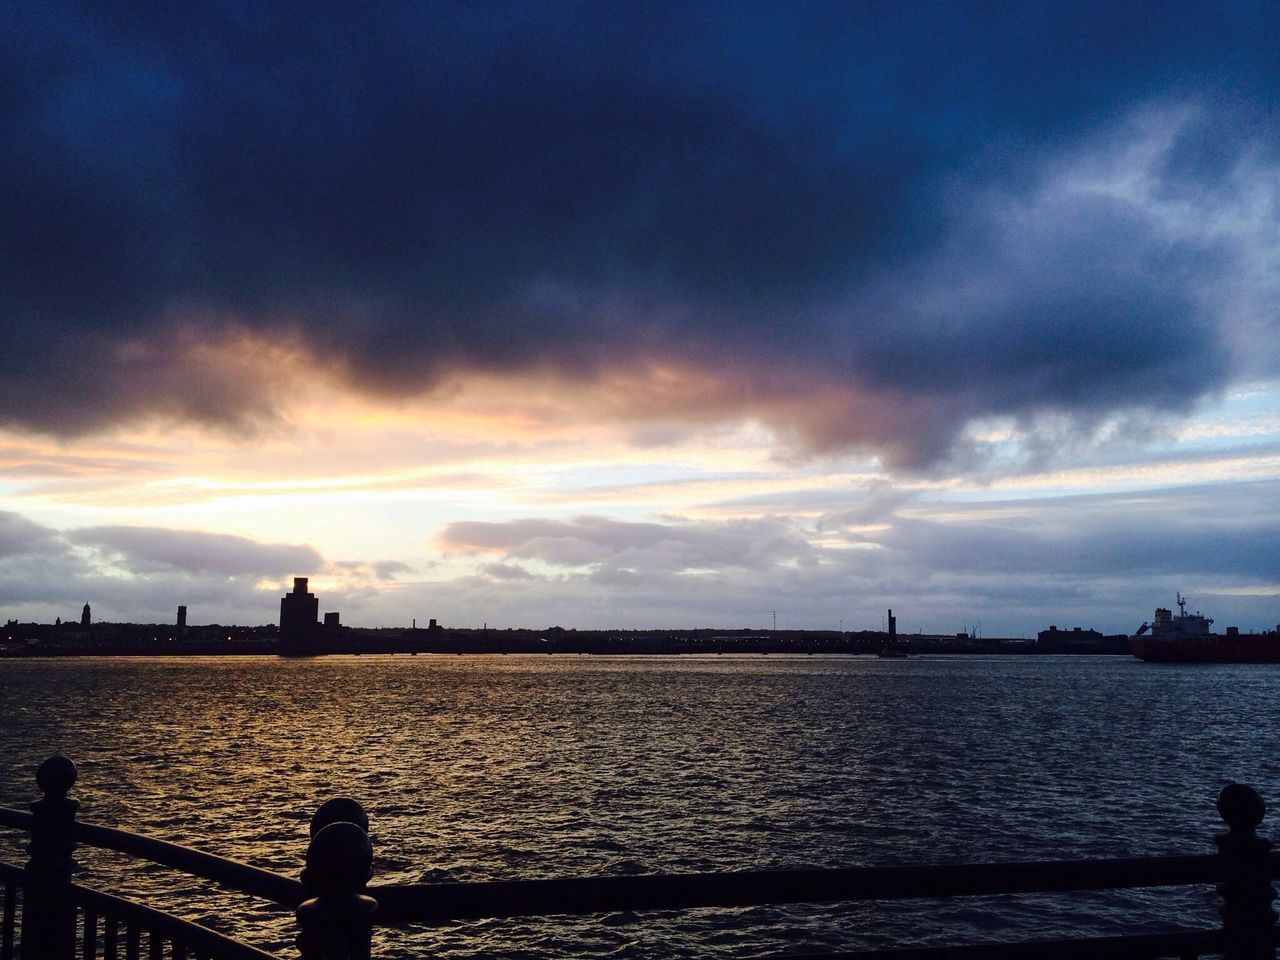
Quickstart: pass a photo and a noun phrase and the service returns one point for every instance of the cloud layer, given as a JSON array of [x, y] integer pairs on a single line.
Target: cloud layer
[[829, 555], [1020, 563], [141, 574], [860, 225]]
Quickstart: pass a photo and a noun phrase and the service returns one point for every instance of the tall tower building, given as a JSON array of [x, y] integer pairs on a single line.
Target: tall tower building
[[182, 620], [84, 616], [299, 613]]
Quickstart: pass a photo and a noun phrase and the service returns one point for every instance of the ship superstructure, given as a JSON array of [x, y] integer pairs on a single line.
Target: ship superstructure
[[1185, 626]]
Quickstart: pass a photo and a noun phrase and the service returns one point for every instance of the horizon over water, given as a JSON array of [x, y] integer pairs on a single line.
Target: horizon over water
[[525, 766]]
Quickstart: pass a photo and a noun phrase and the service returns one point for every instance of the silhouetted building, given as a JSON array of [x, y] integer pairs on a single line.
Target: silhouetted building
[[299, 612], [331, 620], [84, 616], [893, 626], [182, 620], [1073, 637]]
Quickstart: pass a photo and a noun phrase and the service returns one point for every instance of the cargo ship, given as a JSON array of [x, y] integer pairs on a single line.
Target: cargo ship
[[1186, 639]]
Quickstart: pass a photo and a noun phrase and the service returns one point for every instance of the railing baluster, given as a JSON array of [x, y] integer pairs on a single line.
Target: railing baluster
[[179, 950], [132, 940], [90, 935], [48, 918], [157, 946], [10, 921], [110, 947]]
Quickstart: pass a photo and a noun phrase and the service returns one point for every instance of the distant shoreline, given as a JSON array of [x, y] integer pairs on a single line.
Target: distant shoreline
[[143, 641]]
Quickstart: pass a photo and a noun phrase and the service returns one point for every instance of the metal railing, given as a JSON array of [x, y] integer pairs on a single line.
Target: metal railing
[[48, 917]]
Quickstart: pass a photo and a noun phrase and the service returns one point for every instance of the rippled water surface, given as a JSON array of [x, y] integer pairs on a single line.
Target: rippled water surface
[[512, 767]]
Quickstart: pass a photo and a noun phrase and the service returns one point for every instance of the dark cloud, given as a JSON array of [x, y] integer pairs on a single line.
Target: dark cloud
[[861, 202], [154, 549]]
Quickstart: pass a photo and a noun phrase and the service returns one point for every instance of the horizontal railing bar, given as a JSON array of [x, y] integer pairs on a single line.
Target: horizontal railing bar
[[17, 819], [230, 873], [473, 900], [140, 917], [514, 898], [1177, 943]]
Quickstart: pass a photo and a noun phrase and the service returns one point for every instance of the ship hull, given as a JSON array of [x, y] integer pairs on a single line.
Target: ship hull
[[1238, 649]]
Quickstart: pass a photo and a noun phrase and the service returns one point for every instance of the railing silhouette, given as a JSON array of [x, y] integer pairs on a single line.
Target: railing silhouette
[[46, 916]]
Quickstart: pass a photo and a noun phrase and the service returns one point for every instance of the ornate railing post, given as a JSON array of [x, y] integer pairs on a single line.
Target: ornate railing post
[[48, 918], [1247, 918], [337, 922]]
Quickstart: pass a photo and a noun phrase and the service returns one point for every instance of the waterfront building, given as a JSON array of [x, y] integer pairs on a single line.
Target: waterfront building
[[299, 616]]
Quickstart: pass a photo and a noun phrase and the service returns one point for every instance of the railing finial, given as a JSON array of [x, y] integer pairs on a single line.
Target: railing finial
[[1241, 808], [56, 776], [1247, 918], [337, 923], [339, 810]]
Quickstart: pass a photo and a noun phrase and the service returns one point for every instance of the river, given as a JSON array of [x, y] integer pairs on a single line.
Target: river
[[505, 767]]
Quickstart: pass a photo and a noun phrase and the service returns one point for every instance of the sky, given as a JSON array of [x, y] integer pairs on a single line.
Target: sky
[[657, 315]]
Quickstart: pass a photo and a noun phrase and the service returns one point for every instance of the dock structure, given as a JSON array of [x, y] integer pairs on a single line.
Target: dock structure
[[47, 916]]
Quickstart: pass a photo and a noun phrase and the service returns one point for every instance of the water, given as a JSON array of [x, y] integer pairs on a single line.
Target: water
[[511, 767]]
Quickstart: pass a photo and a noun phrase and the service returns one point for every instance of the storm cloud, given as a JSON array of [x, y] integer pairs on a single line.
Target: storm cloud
[[863, 225]]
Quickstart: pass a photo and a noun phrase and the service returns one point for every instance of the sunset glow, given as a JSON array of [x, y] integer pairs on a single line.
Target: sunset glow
[[522, 321]]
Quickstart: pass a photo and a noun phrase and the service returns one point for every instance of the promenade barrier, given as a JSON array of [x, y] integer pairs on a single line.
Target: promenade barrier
[[47, 916]]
